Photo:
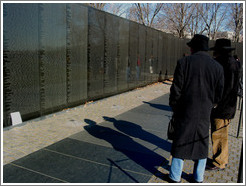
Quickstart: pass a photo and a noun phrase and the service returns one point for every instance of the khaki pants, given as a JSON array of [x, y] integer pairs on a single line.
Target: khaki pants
[[219, 131]]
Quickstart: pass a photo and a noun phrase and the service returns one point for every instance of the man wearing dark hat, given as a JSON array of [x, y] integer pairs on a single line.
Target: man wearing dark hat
[[226, 108], [197, 87]]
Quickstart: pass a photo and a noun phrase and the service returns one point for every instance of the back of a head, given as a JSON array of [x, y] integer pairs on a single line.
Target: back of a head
[[199, 43], [222, 47]]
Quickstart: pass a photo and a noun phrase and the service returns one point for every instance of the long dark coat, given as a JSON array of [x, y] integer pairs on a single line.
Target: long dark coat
[[197, 86]]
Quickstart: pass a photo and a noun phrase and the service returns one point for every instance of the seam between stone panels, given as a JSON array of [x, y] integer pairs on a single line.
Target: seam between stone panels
[[19, 166], [92, 161]]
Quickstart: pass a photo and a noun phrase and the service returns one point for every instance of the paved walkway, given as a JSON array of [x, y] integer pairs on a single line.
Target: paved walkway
[[121, 139]]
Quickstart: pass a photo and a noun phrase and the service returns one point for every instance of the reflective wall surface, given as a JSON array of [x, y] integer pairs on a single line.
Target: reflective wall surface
[[61, 55], [21, 58]]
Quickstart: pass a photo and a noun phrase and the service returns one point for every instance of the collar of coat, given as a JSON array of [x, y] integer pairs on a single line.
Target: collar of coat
[[201, 53]]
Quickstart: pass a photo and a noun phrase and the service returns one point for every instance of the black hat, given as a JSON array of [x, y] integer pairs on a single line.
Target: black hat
[[199, 42], [222, 45]]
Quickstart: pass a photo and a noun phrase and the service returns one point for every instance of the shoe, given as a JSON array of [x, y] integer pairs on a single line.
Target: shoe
[[191, 179], [213, 167], [194, 181], [172, 181], [169, 180]]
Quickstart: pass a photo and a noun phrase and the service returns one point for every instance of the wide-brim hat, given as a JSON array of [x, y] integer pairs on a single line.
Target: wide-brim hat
[[222, 45], [199, 42]]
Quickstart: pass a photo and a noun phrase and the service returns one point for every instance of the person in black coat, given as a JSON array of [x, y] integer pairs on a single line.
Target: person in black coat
[[197, 86], [225, 111]]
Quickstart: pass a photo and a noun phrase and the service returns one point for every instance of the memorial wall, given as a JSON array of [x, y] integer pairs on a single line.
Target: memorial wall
[[59, 55]]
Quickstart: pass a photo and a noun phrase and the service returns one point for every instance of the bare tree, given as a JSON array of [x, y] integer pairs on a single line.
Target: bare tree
[[182, 19], [236, 20], [99, 6], [219, 21], [177, 17], [213, 15], [145, 13], [132, 14], [118, 9], [196, 26]]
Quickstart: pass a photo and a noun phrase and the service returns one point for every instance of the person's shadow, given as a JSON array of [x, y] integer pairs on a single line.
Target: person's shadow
[[136, 131], [159, 106], [138, 153]]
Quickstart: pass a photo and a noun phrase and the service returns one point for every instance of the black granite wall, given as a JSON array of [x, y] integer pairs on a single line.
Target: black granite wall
[[61, 55]]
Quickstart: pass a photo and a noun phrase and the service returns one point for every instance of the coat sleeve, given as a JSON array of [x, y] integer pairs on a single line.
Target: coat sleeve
[[176, 88], [219, 87], [231, 83]]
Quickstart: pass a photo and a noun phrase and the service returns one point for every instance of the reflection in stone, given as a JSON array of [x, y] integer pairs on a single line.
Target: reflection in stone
[[53, 59], [123, 71], [77, 32], [96, 24], [111, 50], [21, 62]]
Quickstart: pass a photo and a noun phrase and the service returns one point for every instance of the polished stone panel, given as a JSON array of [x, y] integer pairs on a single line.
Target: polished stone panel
[[21, 74], [149, 54], [123, 71], [133, 52], [111, 54], [14, 174], [155, 54], [77, 43], [106, 155], [161, 67], [52, 41], [96, 50], [75, 170], [143, 67]]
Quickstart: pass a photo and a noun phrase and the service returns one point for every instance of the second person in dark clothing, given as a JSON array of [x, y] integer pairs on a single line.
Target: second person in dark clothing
[[225, 111], [197, 86]]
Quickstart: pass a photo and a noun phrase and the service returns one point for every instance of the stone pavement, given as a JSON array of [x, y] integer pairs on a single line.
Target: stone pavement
[[120, 139]]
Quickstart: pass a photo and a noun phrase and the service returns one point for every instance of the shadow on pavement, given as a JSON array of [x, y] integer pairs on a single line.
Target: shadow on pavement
[[136, 131], [159, 106], [141, 155]]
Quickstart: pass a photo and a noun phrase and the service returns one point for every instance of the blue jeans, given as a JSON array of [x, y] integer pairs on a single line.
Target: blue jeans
[[177, 167]]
